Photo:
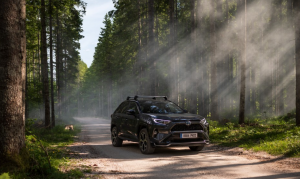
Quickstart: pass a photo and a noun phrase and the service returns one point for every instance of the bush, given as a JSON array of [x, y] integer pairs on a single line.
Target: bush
[[4, 176], [47, 151], [276, 137]]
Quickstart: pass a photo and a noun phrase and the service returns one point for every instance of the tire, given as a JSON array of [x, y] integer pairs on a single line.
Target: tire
[[196, 148], [144, 142], [115, 140]]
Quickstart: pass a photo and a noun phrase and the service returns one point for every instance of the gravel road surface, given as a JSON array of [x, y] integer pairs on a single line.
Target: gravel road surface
[[94, 149]]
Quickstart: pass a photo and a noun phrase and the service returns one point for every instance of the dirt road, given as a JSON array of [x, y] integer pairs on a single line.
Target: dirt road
[[94, 150]]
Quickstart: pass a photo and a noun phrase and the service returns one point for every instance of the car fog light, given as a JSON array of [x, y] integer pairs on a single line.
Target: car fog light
[[155, 132]]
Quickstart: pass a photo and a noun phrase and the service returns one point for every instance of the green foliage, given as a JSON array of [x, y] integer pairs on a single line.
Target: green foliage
[[290, 116], [67, 25], [230, 125], [76, 173], [4, 176], [14, 162], [47, 151], [275, 136]]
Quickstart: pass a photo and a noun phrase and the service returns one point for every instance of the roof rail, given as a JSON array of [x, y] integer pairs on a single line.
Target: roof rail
[[152, 97]]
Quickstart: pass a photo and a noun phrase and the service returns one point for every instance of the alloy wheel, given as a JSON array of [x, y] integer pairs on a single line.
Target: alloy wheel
[[114, 135], [143, 142]]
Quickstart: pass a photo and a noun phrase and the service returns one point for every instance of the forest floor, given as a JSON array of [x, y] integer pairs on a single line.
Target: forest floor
[[93, 154]]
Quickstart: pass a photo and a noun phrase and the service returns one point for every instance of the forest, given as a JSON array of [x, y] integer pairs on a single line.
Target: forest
[[226, 60], [54, 68], [220, 59]]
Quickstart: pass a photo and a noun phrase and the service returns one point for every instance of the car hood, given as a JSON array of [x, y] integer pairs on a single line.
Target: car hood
[[178, 117]]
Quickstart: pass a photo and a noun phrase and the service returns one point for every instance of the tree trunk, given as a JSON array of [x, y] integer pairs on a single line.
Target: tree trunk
[[26, 87], [243, 73], [281, 69], [290, 89], [102, 98], [139, 51], [262, 73], [297, 47], [173, 47], [59, 66], [192, 98], [213, 67], [151, 59], [199, 57], [12, 81], [254, 89], [51, 66], [228, 98], [45, 66], [156, 47], [64, 82]]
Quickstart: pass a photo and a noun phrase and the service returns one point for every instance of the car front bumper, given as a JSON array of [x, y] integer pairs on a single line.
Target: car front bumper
[[204, 142], [167, 137]]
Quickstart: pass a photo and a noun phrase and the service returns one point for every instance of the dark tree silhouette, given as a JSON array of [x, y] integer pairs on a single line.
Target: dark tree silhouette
[[45, 66]]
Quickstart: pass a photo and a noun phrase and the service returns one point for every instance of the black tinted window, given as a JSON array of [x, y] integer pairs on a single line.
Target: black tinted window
[[132, 105], [161, 107], [125, 107], [121, 107]]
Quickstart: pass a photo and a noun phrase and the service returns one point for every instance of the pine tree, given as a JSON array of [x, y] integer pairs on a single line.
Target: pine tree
[[12, 81]]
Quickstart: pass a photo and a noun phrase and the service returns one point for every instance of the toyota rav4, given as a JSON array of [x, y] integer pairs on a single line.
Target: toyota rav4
[[154, 121]]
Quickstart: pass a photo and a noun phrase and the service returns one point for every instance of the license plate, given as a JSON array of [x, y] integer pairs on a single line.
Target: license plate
[[188, 135]]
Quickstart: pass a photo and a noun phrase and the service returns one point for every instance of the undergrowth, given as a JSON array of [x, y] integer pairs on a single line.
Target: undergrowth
[[276, 136], [48, 152]]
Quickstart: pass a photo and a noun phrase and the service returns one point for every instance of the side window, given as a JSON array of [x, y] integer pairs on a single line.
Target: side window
[[124, 107], [133, 106], [121, 107]]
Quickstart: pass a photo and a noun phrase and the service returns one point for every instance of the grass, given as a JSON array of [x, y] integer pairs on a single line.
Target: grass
[[277, 136], [48, 152]]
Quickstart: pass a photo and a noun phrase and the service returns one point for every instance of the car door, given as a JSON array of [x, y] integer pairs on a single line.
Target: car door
[[122, 120], [132, 120]]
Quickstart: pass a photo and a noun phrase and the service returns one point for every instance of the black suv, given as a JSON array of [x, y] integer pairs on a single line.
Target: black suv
[[154, 121]]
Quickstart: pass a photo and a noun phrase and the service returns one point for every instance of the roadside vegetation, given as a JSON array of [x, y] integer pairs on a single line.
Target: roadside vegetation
[[47, 151], [276, 136]]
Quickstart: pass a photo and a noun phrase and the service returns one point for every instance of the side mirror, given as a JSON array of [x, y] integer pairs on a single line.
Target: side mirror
[[130, 112], [185, 111]]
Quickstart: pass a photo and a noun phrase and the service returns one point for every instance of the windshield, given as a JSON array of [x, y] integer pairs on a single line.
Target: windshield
[[160, 107]]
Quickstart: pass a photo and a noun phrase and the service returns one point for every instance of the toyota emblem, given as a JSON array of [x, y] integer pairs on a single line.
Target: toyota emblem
[[188, 123]]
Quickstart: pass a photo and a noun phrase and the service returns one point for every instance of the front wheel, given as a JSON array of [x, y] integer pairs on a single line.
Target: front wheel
[[115, 140], [144, 142], [196, 148]]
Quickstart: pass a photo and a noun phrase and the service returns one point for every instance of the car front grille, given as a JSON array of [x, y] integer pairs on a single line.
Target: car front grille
[[183, 127]]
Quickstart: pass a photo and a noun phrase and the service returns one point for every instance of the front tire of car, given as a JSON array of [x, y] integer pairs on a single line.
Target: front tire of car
[[196, 148], [144, 142], [115, 140]]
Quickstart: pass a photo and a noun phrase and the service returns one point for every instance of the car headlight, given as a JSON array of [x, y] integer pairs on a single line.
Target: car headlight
[[203, 121], [161, 121]]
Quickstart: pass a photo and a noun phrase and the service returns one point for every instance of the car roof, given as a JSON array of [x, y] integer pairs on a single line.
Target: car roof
[[138, 97]]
